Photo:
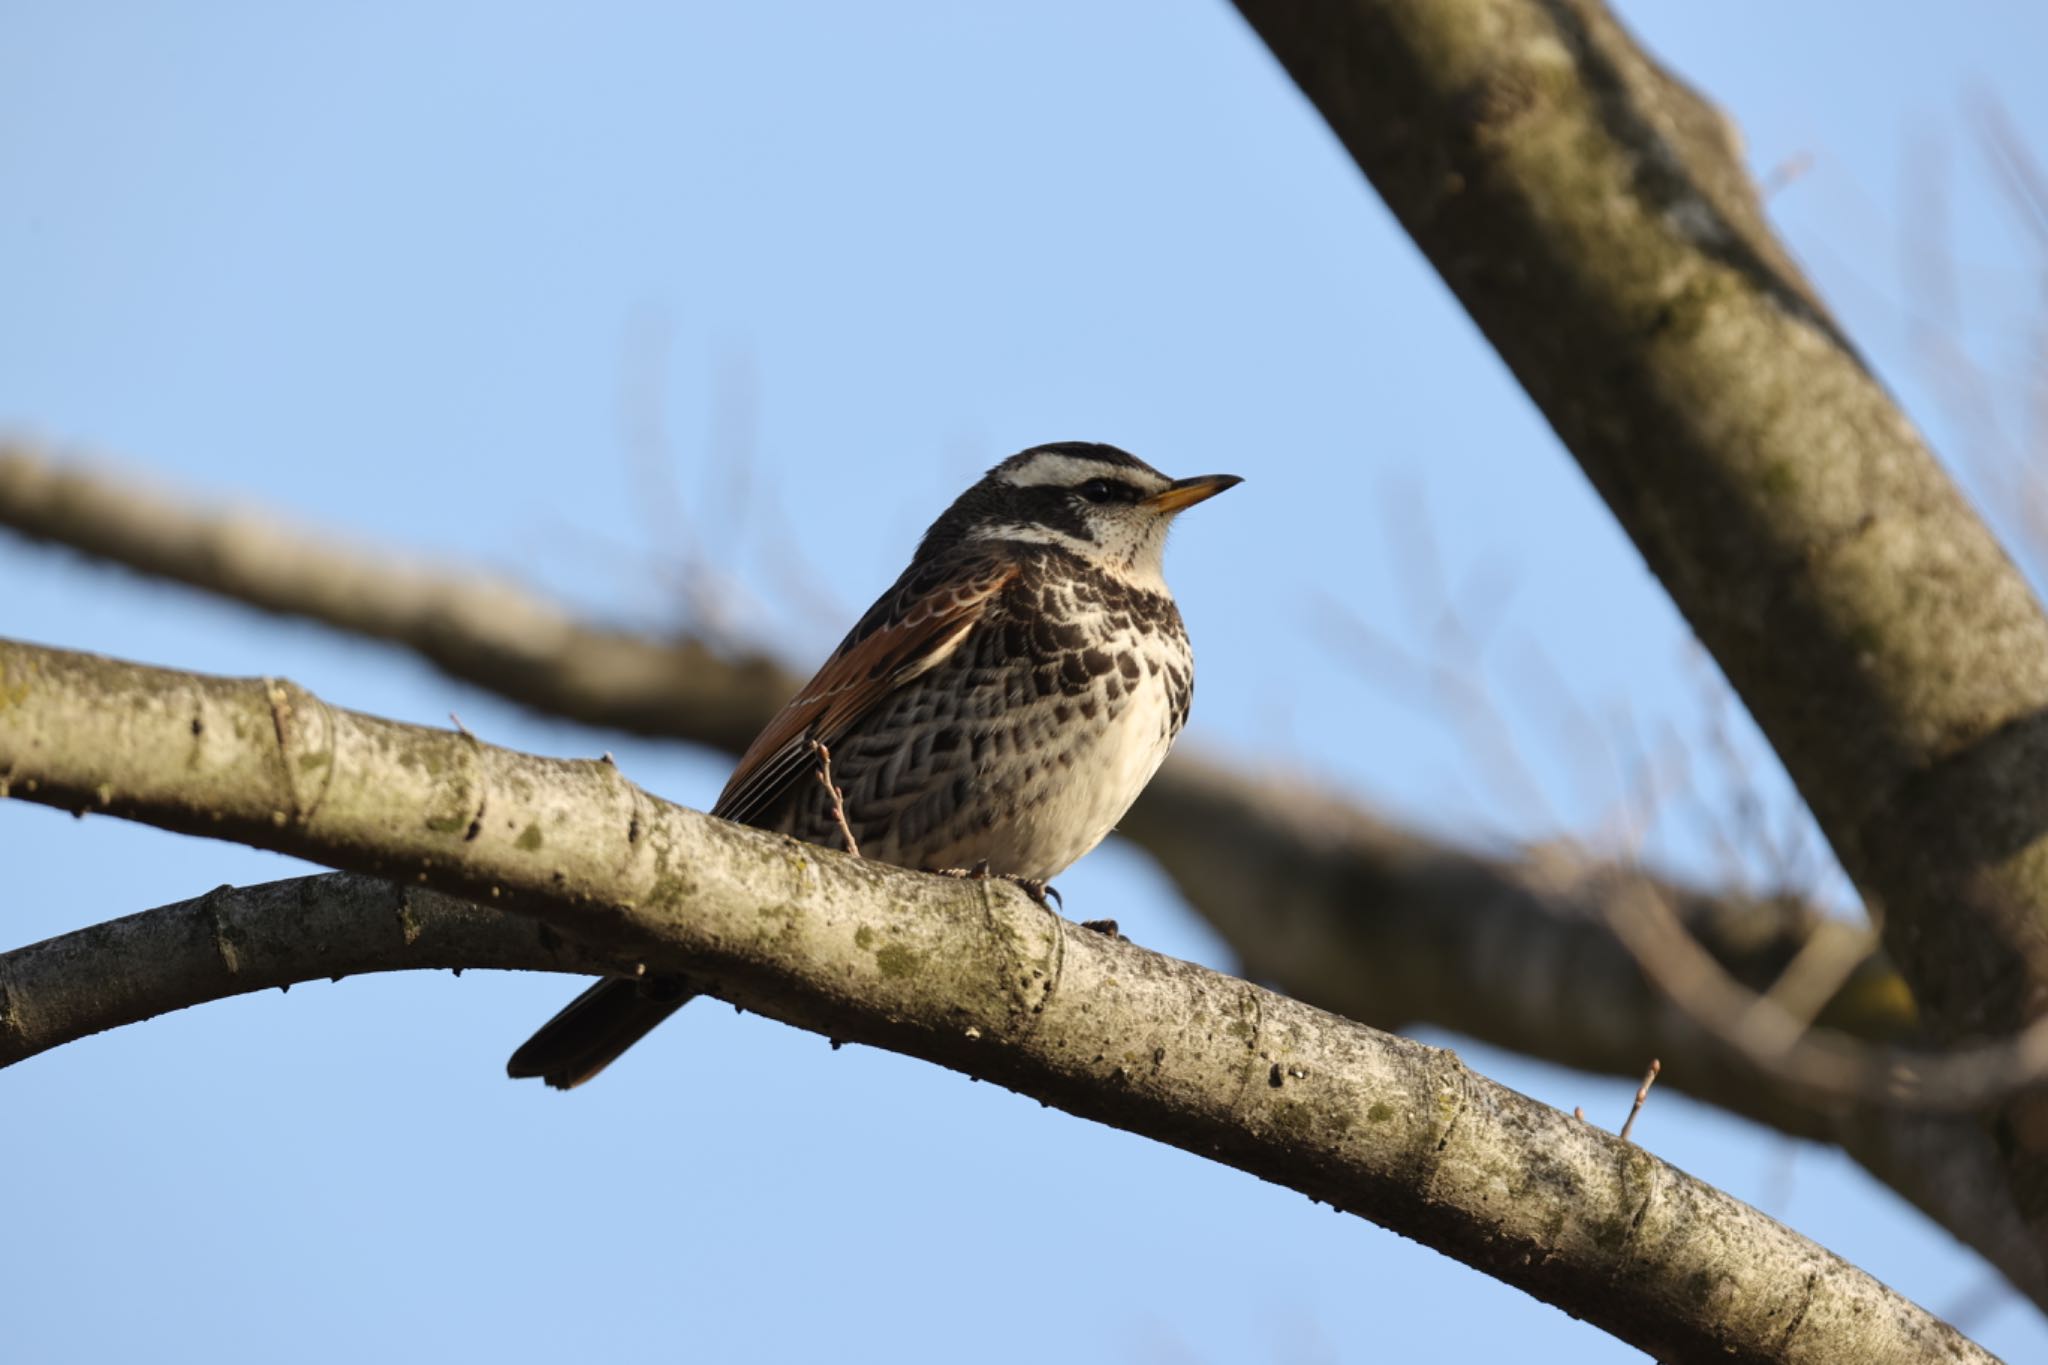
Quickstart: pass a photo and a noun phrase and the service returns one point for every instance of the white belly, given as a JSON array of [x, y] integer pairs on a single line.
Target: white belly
[[1062, 785], [1083, 803]]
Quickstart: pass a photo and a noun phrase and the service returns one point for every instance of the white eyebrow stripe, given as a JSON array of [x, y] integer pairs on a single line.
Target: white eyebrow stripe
[[1066, 471]]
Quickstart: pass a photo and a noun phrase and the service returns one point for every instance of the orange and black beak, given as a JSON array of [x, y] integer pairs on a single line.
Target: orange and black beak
[[1184, 493]]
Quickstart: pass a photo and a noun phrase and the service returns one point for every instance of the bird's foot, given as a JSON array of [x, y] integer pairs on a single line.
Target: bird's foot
[[977, 873], [1102, 926], [1033, 887], [1040, 891]]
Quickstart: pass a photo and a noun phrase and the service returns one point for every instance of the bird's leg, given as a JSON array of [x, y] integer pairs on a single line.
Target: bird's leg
[[1102, 926]]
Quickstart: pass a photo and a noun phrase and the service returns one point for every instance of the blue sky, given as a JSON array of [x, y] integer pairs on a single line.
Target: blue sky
[[430, 275]]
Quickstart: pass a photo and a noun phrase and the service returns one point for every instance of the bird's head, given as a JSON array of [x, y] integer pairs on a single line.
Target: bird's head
[[1095, 501]]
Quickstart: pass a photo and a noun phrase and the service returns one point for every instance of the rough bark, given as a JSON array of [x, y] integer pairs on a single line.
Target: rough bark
[[234, 940], [1332, 903], [1358, 915], [971, 976], [1593, 215]]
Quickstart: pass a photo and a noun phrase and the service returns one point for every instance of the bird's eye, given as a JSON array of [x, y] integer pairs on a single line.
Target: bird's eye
[[1101, 490]]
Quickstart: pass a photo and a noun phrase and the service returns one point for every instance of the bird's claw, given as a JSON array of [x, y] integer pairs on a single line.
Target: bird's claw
[[1040, 891]]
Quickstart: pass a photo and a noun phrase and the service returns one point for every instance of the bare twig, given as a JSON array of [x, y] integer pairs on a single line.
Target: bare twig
[[2020, 174], [1642, 1096], [1781, 176], [824, 754], [689, 566]]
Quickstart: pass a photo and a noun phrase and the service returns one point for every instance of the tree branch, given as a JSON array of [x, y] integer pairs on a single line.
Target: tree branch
[[232, 941], [1593, 215], [1381, 922], [473, 627], [1333, 904], [1357, 915], [971, 976]]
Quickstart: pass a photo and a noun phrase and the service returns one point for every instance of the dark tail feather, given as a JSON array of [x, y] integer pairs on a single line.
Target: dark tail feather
[[594, 1028]]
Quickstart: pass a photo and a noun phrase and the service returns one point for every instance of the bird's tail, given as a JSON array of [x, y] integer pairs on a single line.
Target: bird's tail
[[594, 1028]]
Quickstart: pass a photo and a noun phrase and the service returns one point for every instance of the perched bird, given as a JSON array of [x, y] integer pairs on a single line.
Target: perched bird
[[998, 710]]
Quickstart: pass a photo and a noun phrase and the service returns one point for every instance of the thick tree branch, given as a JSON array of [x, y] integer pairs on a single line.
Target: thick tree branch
[[972, 976], [1331, 903], [1593, 216]]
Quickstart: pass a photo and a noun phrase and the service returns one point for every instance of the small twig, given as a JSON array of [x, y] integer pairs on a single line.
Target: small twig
[[1642, 1094], [464, 729], [838, 797], [1785, 172]]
